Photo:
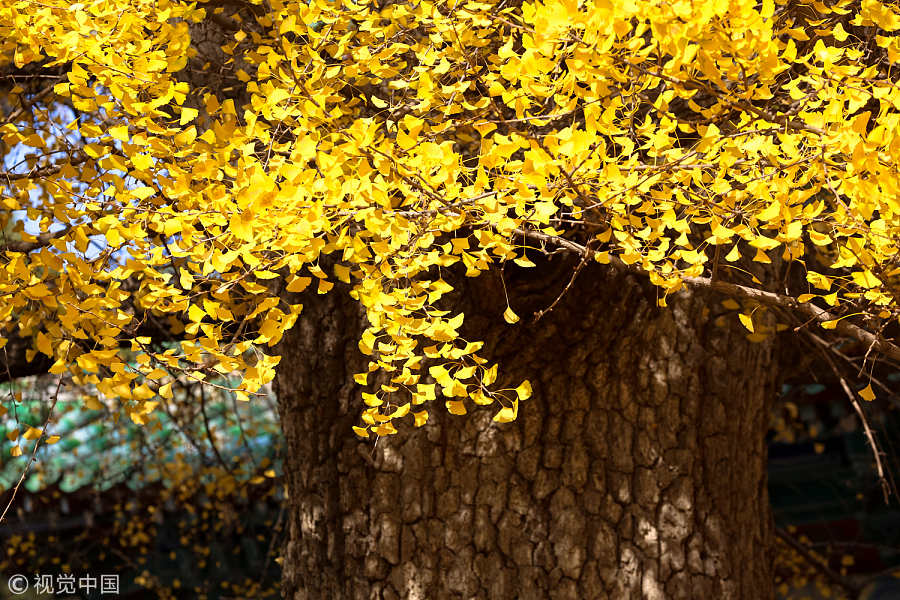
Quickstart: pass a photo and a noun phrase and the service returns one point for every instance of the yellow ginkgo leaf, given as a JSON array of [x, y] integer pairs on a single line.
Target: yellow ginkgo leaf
[[187, 115], [44, 345], [524, 390], [456, 407], [866, 393], [32, 433], [420, 418], [509, 316], [507, 414]]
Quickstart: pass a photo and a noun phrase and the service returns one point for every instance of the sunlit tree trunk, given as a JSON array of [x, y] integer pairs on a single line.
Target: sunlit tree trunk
[[636, 471]]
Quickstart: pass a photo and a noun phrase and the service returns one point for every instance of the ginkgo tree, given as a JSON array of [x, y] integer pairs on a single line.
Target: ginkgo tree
[[201, 173]]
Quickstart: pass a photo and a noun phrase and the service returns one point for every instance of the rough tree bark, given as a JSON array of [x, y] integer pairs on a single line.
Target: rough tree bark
[[636, 471]]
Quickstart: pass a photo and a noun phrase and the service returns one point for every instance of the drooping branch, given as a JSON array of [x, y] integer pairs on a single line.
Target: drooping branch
[[14, 363], [807, 309]]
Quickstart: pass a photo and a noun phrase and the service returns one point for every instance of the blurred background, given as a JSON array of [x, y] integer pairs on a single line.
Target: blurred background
[[187, 505]]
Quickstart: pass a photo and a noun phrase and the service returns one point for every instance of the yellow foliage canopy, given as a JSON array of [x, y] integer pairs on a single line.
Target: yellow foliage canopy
[[685, 140]]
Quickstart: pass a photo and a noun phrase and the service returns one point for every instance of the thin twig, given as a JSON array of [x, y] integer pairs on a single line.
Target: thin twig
[[37, 444], [876, 452], [885, 488], [584, 259]]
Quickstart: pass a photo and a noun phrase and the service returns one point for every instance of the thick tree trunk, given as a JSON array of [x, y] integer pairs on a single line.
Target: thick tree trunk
[[636, 471]]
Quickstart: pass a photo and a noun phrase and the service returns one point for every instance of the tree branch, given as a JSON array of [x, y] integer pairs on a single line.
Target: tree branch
[[44, 171], [808, 309], [41, 241]]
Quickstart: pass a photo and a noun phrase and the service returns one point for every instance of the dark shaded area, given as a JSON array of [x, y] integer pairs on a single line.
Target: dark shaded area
[[824, 487], [159, 549]]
